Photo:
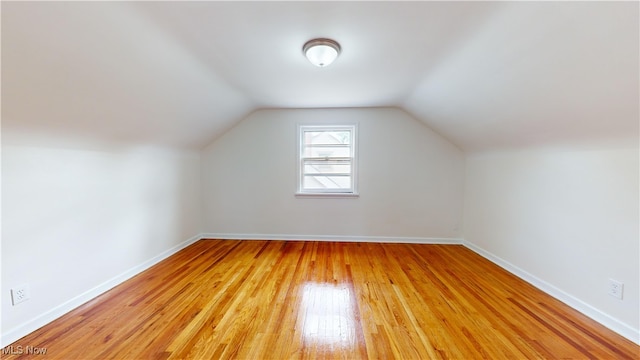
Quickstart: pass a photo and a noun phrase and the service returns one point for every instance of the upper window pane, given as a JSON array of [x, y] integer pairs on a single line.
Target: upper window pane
[[327, 137], [327, 151]]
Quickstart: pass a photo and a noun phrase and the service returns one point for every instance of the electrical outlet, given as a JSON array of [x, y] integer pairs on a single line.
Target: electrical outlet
[[615, 289], [20, 294]]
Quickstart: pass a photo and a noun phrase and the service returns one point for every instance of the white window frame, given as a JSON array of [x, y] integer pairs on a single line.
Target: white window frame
[[353, 190]]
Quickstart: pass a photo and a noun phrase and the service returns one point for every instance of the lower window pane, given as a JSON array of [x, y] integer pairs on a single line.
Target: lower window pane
[[327, 167], [326, 182]]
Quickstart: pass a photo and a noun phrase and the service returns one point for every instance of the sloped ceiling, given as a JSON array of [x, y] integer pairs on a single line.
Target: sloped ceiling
[[485, 75]]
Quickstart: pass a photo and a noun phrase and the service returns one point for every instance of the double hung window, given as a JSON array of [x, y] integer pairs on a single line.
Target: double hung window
[[327, 160]]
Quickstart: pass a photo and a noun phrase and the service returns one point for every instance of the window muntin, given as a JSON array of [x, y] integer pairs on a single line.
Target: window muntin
[[327, 158]]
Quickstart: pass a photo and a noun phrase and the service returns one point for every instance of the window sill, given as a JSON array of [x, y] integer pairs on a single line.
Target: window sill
[[327, 195]]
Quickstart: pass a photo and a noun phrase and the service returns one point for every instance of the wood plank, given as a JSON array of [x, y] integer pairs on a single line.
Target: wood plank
[[228, 299]]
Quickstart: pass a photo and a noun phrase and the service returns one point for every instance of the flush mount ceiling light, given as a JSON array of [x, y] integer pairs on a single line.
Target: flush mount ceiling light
[[321, 52]]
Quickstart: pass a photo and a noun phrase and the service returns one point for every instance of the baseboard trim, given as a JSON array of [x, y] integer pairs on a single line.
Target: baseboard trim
[[348, 238], [49, 316], [588, 310]]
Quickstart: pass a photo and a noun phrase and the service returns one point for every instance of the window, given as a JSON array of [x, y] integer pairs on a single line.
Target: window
[[327, 160]]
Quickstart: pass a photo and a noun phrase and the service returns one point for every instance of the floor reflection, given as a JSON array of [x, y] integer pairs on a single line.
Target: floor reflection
[[328, 314]]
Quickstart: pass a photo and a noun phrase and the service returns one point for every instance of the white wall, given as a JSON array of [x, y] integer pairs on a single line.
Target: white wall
[[410, 179], [73, 220], [568, 219]]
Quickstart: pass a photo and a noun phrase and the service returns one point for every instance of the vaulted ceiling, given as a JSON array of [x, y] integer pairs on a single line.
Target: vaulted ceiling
[[483, 74]]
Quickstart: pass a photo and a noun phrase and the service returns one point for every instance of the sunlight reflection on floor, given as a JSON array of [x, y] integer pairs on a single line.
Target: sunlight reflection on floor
[[328, 314]]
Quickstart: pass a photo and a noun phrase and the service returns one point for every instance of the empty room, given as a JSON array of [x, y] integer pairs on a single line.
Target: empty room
[[278, 180]]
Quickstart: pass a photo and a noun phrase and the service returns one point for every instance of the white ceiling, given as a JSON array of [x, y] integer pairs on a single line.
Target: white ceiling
[[483, 74]]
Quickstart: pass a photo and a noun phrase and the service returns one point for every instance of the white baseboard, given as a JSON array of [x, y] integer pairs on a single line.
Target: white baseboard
[[47, 317], [374, 239], [588, 310]]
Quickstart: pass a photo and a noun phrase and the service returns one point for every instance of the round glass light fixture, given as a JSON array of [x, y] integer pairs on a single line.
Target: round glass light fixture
[[321, 52]]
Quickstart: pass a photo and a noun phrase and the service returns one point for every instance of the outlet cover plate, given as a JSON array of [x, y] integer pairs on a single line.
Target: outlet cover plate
[[616, 288], [20, 294]]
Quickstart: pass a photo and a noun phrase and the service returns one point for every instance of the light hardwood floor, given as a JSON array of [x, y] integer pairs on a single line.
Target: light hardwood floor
[[286, 299]]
